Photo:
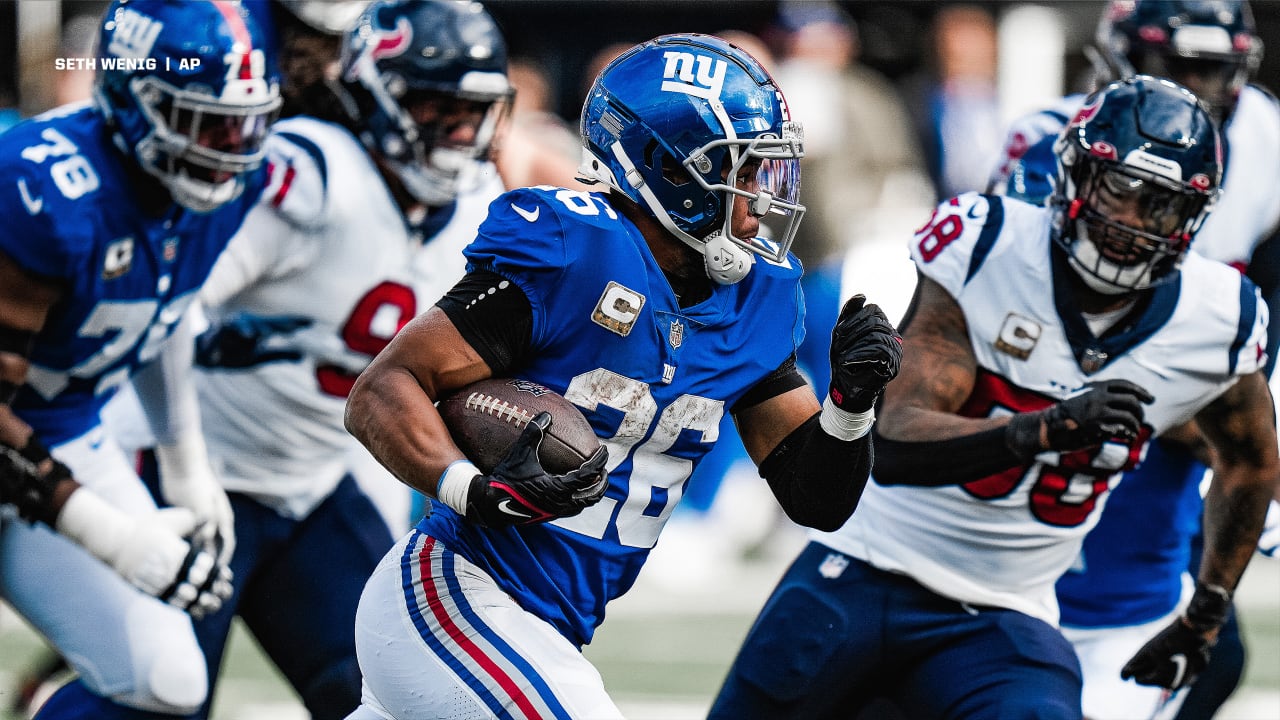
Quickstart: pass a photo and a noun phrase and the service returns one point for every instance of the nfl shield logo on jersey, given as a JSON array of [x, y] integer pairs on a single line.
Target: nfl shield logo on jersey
[[833, 566], [676, 336]]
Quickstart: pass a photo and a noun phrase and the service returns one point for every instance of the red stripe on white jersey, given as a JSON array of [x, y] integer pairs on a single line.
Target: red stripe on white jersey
[[285, 184]]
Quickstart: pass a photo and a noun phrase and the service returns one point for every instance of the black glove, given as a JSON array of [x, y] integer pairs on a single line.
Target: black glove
[[865, 354], [1178, 655], [244, 341], [28, 477], [519, 492], [1107, 409]]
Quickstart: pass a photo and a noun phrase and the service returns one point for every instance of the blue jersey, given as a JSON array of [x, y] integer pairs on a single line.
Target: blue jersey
[[654, 380], [72, 206]]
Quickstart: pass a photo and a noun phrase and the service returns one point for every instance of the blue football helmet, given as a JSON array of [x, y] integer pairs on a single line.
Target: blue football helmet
[[428, 90], [189, 94], [1210, 46], [671, 123], [1139, 170]]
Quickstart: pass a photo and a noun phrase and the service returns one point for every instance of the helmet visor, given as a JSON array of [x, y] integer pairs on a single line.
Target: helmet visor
[[1143, 203], [780, 177], [773, 187], [458, 121], [1139, 225]]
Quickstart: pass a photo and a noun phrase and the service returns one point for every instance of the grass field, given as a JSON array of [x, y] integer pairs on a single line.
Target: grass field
[[663, 652]]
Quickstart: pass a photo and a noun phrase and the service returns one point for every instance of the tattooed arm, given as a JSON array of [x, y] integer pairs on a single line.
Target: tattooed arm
[[1241, 429], [919, 439], [937, 374]]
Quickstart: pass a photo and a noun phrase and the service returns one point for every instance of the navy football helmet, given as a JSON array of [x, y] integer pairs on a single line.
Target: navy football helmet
[[1139, 170], [189, 94], [428, 85], [1210, 46], [331, 17], [672, 122]]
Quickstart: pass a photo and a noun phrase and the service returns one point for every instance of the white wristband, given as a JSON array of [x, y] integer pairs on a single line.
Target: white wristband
[[94, 524], [454, 485], [844, 425]]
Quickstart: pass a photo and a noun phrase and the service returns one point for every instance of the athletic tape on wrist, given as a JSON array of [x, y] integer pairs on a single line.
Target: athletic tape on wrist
[[184, 457], [845, 425], [95, 524], [454, 485]]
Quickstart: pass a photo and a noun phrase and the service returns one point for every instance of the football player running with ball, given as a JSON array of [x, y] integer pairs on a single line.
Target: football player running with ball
[[115, 213], [1046, 346], [654, 307]]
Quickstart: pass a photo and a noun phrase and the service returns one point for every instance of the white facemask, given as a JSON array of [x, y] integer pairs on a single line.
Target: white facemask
[[1101, 274]]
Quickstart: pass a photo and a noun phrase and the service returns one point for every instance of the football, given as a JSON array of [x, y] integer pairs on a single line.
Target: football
[[485, 418]]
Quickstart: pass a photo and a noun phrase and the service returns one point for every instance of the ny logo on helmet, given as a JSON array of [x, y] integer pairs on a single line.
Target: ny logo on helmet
[[696, 75], [134, 35]]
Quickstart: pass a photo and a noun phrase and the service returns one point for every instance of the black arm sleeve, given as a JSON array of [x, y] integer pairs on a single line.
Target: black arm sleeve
[[818, 479], [943, 462], [494, 317], [784, 379]]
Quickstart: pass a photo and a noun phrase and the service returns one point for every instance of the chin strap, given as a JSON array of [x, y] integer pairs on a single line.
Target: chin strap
[[726, 263]]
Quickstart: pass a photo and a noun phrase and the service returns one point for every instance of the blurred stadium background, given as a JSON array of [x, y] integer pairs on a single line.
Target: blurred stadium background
[[668, 643], [1041, 42]]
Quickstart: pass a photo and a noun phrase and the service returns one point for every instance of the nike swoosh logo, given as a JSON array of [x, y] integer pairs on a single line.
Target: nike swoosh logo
[[1180, 661], [973, 212], [505, 504], [531, 216], [34, 205]]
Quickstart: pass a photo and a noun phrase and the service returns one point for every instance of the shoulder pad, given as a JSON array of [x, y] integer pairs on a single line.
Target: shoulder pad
[[1028, 131], [533, 216], [34, 207], [1251, 352], [1250, 318], [1225, 310], [1256, 123], [1266, 93], [958, 238], [297, 178], [541, 214], [534, 235]]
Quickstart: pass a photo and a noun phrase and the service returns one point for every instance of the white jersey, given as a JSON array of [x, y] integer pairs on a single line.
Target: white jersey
[[326, 242], [1004, 540], [1248, 211]]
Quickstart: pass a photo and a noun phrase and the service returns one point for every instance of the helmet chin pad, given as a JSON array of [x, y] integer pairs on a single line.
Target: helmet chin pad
[[436, 182], [726, 262], [201, 196], [1105, 276]]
